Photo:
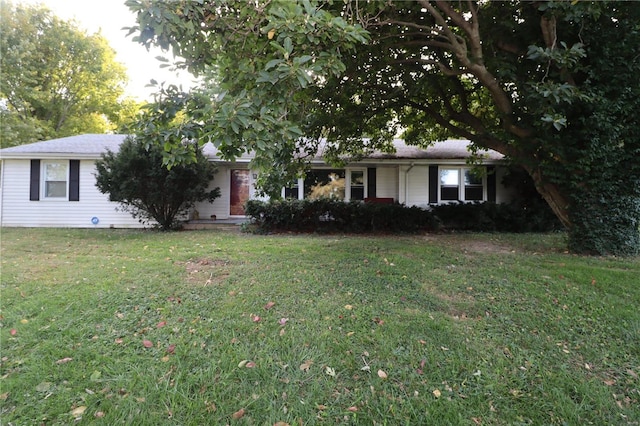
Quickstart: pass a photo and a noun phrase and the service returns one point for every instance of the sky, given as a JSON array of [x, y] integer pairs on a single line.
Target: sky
[[109, 16]]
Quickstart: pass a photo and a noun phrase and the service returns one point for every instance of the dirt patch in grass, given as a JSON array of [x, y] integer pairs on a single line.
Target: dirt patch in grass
[[468, 245], [206, 271], [488, 247]]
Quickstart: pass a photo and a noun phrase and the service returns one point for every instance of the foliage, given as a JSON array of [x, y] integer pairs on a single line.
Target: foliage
[[56, 79], [492, 217], [189, 328], [329, 215], [550, 84], [136, 178]]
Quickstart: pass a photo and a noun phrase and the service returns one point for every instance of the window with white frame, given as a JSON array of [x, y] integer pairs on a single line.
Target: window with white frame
[[55, 176], [338, 184], [356, 185], [461, 184]]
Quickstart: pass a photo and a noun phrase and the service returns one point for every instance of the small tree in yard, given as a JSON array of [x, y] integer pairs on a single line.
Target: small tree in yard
[[136, 178]]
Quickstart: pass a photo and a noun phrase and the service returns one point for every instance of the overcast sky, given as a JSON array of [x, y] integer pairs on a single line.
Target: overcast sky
[[109, 16]]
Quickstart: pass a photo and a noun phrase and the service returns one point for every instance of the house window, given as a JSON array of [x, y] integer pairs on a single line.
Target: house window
[[292, 192], [325, 183], [461, 184], [357, 185], [336, 184], [54, 179]]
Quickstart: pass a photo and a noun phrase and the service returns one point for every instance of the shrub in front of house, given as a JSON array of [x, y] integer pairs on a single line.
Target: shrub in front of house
[[327, 215], [491, 217]]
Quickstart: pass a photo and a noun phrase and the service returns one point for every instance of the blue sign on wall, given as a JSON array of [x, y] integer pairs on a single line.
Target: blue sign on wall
[[95, 220]]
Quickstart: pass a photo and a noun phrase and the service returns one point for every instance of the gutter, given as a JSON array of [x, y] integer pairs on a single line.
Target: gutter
[[2, 167]]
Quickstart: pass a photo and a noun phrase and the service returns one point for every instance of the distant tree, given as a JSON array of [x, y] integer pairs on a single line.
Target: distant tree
[[140, 178], [56, 79]]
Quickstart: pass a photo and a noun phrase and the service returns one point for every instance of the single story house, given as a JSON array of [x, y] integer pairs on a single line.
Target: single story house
[[52, 183]]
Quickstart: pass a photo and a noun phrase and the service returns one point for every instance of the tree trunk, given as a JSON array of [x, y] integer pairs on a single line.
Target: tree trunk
[[553, 195]]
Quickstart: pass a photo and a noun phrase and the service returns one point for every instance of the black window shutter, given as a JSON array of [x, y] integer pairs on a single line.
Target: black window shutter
[[371, 182], [34, 185], [74, 180], [433, 184], [491, 184]]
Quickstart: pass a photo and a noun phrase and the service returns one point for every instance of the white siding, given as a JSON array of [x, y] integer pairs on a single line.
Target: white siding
[[18, 210], [415, 181], [220, 206], [387, 182]]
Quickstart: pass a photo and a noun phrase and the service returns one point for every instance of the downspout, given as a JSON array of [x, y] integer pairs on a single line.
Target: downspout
[[406, 183], [2, 167]]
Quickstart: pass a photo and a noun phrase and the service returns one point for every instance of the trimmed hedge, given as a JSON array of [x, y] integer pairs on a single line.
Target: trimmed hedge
[[492, 217], [326, 215]]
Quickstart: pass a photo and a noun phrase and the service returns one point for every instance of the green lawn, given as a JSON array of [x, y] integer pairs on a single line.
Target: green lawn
[[217, 327]]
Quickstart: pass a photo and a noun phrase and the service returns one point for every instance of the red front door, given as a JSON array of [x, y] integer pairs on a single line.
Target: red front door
[[239, 191]]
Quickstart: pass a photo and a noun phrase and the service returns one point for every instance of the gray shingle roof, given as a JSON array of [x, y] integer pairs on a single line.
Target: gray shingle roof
[[85, 146], [93, 145]]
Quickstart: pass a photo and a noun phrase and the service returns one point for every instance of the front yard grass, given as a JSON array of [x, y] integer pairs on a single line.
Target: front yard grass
[[213, 327]]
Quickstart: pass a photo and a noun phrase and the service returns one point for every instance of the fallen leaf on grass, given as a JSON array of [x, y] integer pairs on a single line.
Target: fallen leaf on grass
[[281, 424], [161, 324], [353, 409], [171, 349], [330, 371], [382, 374], [238, 414], [4, 396], [64, 360], [255, 318], [24, 321], [306, 365], [118, 341], [147, 343], [283, 321], [348, 307], [269, 305], [99, 414], [437, 393], [13, 332], [78, 411]]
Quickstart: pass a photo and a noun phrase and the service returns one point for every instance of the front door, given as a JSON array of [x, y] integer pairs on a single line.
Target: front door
[[239, 191]]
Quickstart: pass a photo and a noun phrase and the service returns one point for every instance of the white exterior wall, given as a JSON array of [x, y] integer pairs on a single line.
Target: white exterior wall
[[387, 182], [414, 185], [17, 210], [220, 206]]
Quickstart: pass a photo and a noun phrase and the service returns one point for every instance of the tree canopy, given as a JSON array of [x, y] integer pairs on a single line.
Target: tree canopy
[[57, 80], [550, 84]]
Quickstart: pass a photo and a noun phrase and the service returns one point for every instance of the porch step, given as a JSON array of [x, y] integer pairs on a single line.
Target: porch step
[[222, 224]]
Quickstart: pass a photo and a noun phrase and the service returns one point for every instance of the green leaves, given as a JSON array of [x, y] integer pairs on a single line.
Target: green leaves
[[57, 80]]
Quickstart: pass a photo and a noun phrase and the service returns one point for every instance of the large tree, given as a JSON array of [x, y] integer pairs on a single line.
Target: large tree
[[551, 84], [57, 80]]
